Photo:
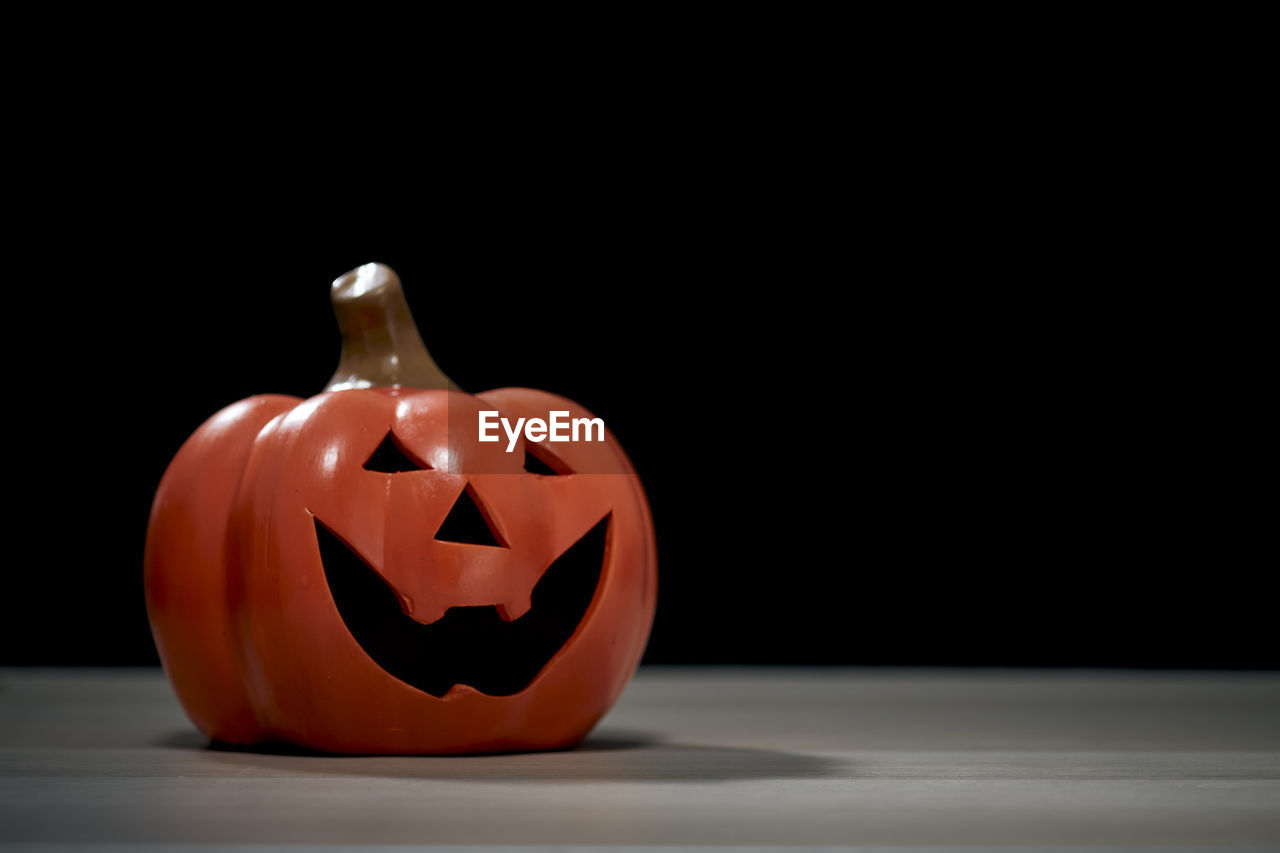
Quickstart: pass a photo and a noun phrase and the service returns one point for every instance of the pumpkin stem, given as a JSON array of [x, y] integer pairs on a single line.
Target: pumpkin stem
[[380, 342]]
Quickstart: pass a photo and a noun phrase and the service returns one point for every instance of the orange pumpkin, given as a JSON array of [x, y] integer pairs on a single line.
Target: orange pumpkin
[[358, 573]]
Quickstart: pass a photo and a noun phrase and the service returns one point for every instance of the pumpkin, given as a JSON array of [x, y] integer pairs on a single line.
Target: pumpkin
[[358, 573]]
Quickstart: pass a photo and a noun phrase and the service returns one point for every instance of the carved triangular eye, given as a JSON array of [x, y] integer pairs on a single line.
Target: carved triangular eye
[[391, 458], [539, 460], [469, 524]]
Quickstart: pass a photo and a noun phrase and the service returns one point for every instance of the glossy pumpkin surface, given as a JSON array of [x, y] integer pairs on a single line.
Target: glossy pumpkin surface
[[355, 572]]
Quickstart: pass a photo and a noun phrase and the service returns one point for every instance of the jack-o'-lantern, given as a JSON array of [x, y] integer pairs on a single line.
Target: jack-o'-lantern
[[358, 572]]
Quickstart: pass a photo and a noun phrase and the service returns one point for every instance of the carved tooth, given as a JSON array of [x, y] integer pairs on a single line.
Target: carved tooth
[[423, 614], [514, 609]]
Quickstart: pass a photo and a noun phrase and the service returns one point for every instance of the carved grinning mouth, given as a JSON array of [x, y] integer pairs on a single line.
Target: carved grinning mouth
[[468, 645]]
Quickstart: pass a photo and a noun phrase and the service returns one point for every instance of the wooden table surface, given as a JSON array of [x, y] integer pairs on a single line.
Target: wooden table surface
[[729, 757]]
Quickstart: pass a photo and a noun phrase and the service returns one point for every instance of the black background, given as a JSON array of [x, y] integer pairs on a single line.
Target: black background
[[911, 409]]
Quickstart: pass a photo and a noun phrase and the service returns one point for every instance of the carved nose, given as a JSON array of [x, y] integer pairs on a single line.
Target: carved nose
[[470, 523]]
